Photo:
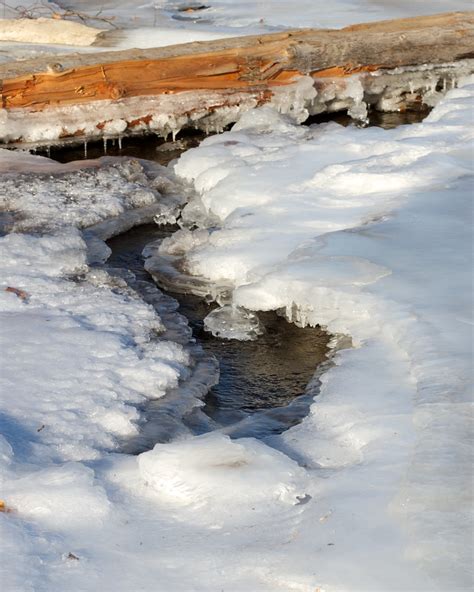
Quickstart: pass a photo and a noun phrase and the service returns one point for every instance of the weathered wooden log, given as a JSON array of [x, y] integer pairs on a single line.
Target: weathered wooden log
[[160, 89]]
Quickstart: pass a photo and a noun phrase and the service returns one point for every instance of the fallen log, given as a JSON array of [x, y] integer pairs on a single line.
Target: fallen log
[[390, 65]]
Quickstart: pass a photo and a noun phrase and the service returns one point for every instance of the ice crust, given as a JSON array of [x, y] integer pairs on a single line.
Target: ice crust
[[363, 231], [107, 194]]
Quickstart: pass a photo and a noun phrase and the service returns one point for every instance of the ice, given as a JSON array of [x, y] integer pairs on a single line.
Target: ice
[[367, 238], [208, 470], [165, 262], [110, 191], [169, 114], [231, 322], [213, 111]]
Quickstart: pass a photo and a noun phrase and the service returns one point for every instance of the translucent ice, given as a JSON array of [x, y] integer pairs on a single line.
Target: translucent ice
[[232, 322]]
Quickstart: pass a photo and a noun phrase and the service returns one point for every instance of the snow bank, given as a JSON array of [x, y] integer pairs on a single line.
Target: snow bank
[[104, 193], [46, 30], [100, 335], [208, 470], [81, 355], [364, 231]]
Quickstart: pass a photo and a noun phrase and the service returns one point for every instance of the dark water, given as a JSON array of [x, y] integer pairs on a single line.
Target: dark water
[[376, 118], [151, 147], [255, 376], [263, 383]]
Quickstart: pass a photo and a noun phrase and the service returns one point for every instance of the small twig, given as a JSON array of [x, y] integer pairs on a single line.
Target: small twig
[[36, 10]]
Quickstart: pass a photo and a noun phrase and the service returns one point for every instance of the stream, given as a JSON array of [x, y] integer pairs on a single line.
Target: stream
[[262, 387], [263, 384]]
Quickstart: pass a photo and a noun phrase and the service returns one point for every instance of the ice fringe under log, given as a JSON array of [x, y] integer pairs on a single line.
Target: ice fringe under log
[[393, 90]]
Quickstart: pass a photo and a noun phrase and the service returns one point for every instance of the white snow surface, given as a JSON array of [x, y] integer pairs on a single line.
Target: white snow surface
[[164, 22], [83, 194], [257, 15], [365, 231]]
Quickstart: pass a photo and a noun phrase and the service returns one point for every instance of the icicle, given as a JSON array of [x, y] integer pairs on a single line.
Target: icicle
[[85, 148], [173, 134], [445, 84], [48, 151], [120, 142], [105, 145]]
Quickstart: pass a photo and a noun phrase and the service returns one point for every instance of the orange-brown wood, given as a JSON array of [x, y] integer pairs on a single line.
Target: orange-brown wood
[[229, 72], [245, 64], [239, 70]]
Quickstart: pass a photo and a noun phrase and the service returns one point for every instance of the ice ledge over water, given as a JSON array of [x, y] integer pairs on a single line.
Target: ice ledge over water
[[364, 231]]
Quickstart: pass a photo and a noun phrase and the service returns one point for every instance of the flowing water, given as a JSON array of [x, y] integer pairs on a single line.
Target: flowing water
[[262, 377], [265, 386]]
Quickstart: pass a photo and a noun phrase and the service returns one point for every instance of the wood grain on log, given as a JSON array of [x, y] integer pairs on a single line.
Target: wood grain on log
[[240, 63], [254, 65]]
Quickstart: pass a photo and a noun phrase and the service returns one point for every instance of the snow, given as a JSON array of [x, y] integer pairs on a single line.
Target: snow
[[258, 16], [363, 230], [46, 31], [101, 190], [369, 239], [307, 13], [109, 363]]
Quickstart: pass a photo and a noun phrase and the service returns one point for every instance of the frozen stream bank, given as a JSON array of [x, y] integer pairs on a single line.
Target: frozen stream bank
[[261, 383]]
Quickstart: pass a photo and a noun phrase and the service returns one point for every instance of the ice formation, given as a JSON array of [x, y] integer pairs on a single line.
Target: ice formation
[[166, 114], [209, 469], [105, 196], [232, 322], [358, 238]]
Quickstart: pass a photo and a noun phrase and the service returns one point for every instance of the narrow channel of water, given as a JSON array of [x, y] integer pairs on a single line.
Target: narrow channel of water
[[267, 385], [263, 377]]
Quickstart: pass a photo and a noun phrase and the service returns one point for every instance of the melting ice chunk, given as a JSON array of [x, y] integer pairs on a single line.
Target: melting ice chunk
[[233, 322]]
